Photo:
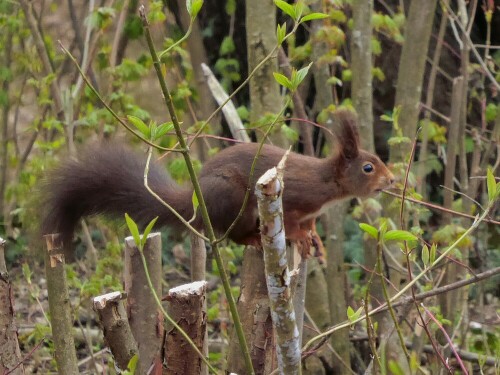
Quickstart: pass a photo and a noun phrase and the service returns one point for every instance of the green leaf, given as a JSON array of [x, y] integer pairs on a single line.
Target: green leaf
[[425, 256], [227, 46], [395, 368], [378, 73], [387, 118], [347, 75], [334, 81], [140, 125], [291, 134], [372, 231], [162, 129], [197, 5], [492, 185], [281, 33], [399, 235], [27, 273], [300, 75], [298, 10], [134, 230], [432, 255], [353, 315], [148, 230], [282, 80], [132, 365], [194, 200], [313, 16], [285, 7], [398, 140], [491, 112], [193, 7]]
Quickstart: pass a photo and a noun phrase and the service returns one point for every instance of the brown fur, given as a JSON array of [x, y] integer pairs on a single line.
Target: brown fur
[[108, 179]]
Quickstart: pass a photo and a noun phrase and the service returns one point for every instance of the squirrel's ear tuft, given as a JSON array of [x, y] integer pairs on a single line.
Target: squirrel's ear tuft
[[347, 133]]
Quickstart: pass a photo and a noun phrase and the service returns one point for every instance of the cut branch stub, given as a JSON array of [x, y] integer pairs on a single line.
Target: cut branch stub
[[116, 329], [54, 249], [187, 309]]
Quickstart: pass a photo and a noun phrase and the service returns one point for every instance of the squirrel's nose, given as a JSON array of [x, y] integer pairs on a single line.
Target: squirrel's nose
[[391, 179]]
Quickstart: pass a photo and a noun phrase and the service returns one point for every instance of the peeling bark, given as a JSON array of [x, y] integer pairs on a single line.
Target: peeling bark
[[269, 196]]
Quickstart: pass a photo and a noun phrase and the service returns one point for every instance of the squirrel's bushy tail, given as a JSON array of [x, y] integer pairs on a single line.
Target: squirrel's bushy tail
[[108, 179]]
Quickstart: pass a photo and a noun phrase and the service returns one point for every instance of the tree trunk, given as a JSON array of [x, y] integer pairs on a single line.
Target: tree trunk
[[411, 71], [336, 277], [265, 96], [361, 66]]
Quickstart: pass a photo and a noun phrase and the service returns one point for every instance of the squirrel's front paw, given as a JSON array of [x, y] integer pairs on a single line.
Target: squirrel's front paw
[[318, 247]]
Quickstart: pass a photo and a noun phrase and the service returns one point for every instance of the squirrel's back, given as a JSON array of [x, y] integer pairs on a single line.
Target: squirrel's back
[[107, 178]]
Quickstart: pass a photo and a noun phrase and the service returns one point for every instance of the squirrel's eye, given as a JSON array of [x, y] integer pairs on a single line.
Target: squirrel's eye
[[368, 168]]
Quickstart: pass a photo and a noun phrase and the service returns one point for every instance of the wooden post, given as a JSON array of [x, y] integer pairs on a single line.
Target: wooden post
[[187, 309], [115, 327], [60, 309], [145, 319]]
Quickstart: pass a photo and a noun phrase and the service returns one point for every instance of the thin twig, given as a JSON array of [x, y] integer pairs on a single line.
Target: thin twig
[[110, 110], [176, 214], [35, 348], [408, 260], [324, 336], [473, 48], [440, 208], [447, 338]]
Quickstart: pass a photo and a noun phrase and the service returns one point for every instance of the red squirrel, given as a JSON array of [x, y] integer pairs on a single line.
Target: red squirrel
[[108, 179]]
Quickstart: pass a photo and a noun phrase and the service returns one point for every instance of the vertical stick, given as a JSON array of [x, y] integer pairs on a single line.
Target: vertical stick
[[146, 321], [59, 306], [451, 152], [269, 195], [198, 258]]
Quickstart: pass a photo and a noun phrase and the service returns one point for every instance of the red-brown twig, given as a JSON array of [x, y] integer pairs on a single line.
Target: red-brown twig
[[35, 348], [447, 339], [439, 208]]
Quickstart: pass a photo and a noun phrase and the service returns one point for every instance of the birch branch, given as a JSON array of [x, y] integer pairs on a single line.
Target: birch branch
[[269, 190]]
